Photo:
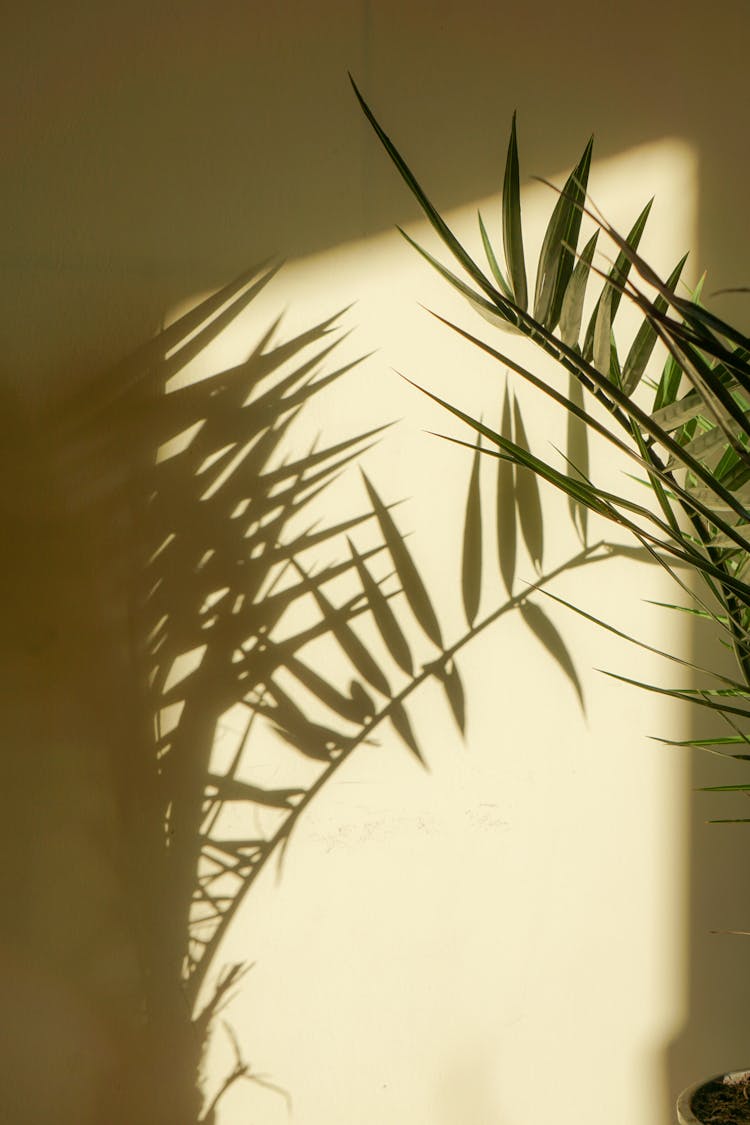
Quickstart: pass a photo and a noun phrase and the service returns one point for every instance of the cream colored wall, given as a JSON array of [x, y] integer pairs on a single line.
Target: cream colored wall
[[502, 938], [150, 152]]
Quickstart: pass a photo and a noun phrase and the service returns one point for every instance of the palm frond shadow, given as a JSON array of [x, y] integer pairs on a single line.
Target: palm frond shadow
[[223, 555], [229, 569], [230, 632]]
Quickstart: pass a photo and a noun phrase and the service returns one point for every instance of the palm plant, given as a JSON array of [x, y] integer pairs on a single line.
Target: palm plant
[[685, 428], [218, 625]]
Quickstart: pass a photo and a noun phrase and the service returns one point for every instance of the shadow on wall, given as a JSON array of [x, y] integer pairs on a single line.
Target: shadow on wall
[[159, 550], [122, 566], [163, 835], [160, 545], [141, 150]]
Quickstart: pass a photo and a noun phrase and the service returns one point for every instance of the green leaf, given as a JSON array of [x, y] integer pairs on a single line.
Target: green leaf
[[675, 414], [512, 232], [445, 233], [707, 446], [528, 499], [615, 371], [578, 455], [547, 634], [723, 788], [614, 507], [685, 695], [603, 333], [411, 582], [663, 495], [571, 312], [587, 494], [615, 398], [618, 276], [733, 687], [695, 296], [495, 314], [645, 339], [471, 570], [560, 241], [708, 498], [708, 745], [685, 609], [506, 505], [385, 619], [669, 384], [497, 273]]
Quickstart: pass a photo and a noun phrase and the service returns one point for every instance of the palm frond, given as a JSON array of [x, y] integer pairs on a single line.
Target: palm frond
[[693, 444]]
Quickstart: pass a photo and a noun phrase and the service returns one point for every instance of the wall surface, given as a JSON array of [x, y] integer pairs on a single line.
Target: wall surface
[[529, 923], [456, 943]]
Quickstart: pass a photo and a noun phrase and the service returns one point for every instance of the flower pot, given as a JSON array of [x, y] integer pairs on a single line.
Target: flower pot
[[723, 1100]]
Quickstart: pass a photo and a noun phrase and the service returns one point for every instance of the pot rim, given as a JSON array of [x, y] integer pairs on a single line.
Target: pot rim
[[684, 1111]]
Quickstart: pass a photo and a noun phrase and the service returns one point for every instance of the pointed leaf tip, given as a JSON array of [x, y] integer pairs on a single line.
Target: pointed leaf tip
[[494, 265], [557, 256], [571, 312], [511, 214], [619, 275]]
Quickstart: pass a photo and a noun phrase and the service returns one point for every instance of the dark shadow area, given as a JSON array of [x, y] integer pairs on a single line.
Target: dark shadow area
[[151, 152]]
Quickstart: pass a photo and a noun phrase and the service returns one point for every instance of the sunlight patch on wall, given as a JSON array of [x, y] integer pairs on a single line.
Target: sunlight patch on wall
[[469, 936]]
